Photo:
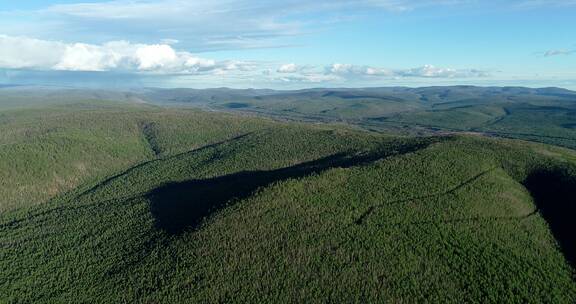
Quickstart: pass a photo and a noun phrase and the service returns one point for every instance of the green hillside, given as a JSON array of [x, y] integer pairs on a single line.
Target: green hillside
[[179, 206], [46, 151], [544, 115]]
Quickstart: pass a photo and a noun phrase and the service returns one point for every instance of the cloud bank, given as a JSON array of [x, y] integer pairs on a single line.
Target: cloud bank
[[30, 53], [122, 56], [426, 71]]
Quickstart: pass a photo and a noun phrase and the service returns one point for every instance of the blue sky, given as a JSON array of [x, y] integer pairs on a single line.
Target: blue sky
[[289, 44]]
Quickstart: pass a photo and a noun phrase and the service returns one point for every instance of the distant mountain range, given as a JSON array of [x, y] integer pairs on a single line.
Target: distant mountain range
[[544, 114], [541, 114]]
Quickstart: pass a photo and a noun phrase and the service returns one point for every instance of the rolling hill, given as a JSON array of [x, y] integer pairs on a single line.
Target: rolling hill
[[544, 115], [129, 202]]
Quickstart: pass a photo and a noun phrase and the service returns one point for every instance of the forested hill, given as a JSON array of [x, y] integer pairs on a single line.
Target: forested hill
[[108, 202], [545, 115]]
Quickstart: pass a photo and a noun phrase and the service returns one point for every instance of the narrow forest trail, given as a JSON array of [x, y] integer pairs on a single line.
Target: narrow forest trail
[[362, 218]]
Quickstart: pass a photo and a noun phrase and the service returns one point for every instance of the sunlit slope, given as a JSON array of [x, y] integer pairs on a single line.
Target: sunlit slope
[[305, 214], [46, 151], [542, 115]]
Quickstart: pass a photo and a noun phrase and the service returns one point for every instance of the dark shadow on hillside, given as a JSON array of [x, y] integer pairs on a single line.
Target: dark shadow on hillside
[[554, 192], [177, 207]]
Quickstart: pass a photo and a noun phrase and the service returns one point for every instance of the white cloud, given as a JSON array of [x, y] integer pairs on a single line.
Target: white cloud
[[86, 57], [169, 41], [427, 71], [157, 56], [355, 70], [288, 68], [29, 53], [373, 71], [22, 53], [162, 59], [198, 25], [146, 9], [550, 53], [310, 78], [430, 71], [349, 73], [340, 68]]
